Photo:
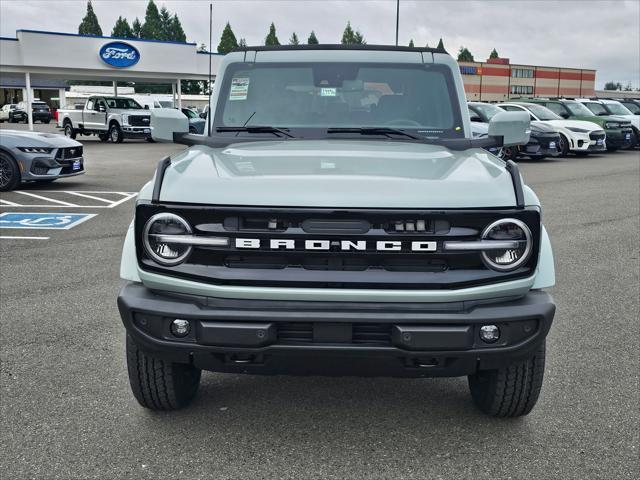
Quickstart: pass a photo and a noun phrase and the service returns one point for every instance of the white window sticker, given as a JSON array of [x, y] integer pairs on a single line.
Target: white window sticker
[[327, 92], [239, 88]]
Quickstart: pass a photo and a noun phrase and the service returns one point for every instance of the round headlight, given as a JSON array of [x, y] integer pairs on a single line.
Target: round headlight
[[507, 259], [161, 237]]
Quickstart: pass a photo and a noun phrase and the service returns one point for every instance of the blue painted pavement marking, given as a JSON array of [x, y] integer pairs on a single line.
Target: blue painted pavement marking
[[43, 221]]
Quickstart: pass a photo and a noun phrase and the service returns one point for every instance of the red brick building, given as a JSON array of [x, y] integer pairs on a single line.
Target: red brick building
[[499, 80]]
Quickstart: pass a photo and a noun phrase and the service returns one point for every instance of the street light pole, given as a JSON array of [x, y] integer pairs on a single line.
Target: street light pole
[[397, 19]]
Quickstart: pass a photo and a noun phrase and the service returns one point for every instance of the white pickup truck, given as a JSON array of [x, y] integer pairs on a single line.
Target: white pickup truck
[[111, 118]]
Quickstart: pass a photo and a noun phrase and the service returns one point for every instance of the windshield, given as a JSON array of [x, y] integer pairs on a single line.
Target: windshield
[[319, 96], [578, 109], [486, 111], [123, 103], [166, 103], [618, 109], [632, 107], [596, 108], [543, 113]]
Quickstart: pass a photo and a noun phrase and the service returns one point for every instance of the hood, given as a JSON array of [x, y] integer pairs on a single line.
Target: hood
[[338, 173], [574, 124], [542, 127], [634, 119], [124, 111], [23, 138]]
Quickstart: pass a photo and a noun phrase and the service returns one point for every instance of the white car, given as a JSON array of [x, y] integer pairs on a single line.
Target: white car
[[577, 136], [612, 107], [5, 112]]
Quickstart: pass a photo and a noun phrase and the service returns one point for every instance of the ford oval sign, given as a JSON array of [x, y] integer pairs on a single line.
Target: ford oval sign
[[119, 54]]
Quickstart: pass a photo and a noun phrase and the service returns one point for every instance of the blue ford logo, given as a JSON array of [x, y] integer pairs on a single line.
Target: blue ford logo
[[119, 54]]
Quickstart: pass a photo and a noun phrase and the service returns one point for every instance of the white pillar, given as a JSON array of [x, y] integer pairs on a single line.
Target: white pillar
[[62, 99], [179, 95], [115, 88], [27, 84], [173, 93]]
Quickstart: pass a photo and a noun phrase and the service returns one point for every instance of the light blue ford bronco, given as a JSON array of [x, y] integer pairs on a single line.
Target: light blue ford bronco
[[338, 219]]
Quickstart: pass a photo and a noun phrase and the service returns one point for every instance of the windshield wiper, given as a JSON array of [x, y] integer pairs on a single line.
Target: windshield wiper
[[256, 129], [373, 131]]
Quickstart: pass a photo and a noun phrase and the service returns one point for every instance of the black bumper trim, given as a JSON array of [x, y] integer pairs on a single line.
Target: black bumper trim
[[242, 336]]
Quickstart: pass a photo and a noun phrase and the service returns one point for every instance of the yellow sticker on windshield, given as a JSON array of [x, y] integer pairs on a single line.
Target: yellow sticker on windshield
[[239, 88]]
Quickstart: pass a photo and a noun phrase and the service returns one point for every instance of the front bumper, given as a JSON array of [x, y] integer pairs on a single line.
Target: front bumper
[[47, 168], [619, 138], [136, 132], [541, 146], [335, 338]]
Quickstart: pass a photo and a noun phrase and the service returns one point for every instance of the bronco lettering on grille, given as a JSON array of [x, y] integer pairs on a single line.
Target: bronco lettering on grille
[[343, 245]]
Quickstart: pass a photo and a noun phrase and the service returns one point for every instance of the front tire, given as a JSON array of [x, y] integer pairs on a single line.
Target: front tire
[[9, 173], [158, 384], [563, 146], [510, 391], [69, 132], [115, 133]]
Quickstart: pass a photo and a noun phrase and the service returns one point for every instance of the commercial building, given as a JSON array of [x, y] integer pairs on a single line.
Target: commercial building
[[37, 64], [498, 80]]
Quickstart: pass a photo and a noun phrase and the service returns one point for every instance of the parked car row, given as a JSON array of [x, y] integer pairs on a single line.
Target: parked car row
[[562, 126], [18, 112]]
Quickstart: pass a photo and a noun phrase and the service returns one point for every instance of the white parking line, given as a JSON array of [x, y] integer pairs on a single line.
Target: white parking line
[[79, 194], [23, 238], [46, 199]]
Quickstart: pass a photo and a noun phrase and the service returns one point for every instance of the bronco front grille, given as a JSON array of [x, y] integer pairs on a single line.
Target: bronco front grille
[[334, 267]]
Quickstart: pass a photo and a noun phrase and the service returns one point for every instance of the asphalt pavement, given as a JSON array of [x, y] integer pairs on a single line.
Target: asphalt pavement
[[66, 411]]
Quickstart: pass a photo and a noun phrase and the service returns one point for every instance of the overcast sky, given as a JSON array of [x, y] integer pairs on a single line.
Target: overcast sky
[[604, 35]]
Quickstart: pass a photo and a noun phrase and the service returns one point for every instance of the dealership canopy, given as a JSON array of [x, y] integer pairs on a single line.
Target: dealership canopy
[[45, 60]]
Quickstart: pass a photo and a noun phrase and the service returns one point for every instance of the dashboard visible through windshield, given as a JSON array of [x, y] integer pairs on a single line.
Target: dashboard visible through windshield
[[314, 99]]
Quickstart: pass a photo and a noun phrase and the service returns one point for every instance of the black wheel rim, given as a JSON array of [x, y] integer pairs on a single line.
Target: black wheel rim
[[6, 172]]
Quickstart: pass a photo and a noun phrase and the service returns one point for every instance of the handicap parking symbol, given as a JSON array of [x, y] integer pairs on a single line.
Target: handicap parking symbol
[[43, 221]]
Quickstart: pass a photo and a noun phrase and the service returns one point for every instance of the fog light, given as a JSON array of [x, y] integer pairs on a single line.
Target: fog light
[[489, 333], [180, 328]]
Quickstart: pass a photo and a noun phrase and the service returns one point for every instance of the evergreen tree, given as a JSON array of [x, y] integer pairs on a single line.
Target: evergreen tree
[[136, 28], [152, 28], [440, 45], [228, 40], [294, 39], [358, 38], [272, 38], [494, 54], [122, 29], [348, 36], [464, 55], [312, 40], [89, 24], [242, 43], [411, 43], [176, 32], [165, 24]]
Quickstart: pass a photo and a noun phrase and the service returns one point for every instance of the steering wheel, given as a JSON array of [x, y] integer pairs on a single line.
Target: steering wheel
[[403, 122]]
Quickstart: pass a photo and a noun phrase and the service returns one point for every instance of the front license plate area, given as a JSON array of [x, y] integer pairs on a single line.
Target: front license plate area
[[77, 165]]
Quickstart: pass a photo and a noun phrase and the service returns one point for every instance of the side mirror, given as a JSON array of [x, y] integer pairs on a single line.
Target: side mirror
[[513, 127], [564, 115], [167, 122], [146, 107], [101, 108], [202, 115]]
